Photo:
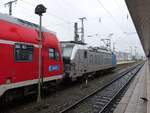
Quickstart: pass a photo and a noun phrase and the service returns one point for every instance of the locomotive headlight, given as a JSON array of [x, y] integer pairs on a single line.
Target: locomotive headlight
[[8, 80]]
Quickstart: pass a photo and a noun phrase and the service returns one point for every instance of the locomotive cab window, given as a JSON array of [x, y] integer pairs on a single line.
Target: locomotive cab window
[[53, 54], [24, 52]]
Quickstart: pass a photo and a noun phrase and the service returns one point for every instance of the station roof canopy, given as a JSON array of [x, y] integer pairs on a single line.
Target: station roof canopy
[[140, 13]]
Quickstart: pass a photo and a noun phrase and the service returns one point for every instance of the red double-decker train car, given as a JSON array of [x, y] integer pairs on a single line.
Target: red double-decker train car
[[19, 54]]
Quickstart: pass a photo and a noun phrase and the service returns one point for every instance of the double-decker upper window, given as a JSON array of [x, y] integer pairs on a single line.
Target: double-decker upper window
[[53, 54], [24, 52]]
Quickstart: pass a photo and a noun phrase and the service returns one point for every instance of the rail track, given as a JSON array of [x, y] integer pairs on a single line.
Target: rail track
[[27, 104], [101, 100]]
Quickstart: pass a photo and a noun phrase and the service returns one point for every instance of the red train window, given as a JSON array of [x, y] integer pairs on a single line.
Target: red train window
[[24, 52], [53, 54]]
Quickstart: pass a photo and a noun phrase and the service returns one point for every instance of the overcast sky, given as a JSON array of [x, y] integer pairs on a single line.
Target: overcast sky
[[104, 17]]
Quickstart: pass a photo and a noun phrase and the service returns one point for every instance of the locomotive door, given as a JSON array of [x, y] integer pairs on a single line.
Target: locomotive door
[[46, 61], [51, 62], [85, 61], [76, 61], [79, 64]]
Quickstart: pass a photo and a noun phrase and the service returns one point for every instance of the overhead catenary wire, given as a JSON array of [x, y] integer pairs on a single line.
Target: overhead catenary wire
[[112, 17], [61, 4], [127, 13], [116, 2], [69, 22], [51, 14], [30, 11], [72, 6], [48, 13], [25, 11]]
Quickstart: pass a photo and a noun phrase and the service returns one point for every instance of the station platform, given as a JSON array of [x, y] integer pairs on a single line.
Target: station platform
[[137, 97], [124, 62]]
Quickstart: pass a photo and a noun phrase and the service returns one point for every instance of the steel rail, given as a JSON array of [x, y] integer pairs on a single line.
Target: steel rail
[[69, 108]]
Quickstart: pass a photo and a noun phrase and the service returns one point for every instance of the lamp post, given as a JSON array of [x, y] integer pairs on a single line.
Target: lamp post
[[39, 10], [135, 52], [82, 29], [9, 4], [130, 47], [114, 43]]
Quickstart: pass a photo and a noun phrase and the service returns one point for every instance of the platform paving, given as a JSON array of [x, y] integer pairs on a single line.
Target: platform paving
[[137, 97]]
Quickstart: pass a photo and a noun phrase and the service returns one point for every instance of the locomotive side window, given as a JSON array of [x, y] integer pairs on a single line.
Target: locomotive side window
[[67, 51], [53, 54], [23, 52], [85, 54]]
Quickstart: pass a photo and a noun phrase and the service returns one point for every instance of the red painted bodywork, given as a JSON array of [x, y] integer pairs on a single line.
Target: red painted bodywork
[[24, 71]]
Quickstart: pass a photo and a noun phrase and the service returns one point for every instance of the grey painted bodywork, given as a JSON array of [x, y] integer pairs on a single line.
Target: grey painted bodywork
[[95, 61]]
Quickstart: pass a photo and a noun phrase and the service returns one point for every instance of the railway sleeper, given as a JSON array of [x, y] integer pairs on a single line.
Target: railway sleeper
[[99, 103]]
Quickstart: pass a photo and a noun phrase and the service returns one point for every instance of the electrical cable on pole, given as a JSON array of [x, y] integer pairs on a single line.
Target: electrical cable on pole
[[76, 36], [82, 28], [9, 4], [112, 17]]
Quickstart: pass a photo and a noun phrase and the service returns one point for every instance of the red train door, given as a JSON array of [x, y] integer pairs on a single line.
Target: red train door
[[51, 63]]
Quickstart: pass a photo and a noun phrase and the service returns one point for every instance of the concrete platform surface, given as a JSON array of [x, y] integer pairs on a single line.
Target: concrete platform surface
[[137, 97]]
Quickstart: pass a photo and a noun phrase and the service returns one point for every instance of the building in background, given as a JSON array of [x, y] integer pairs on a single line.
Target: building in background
[[127, 57], [123, 56]]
